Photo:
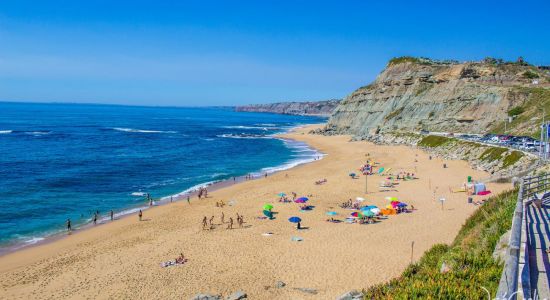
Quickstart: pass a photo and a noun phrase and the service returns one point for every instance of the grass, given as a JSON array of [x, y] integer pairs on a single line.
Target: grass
[[469, 257], [433, 141], [518, 110], [512, 158], [403, 59], [492, 154], [528, 121], [394, 114]]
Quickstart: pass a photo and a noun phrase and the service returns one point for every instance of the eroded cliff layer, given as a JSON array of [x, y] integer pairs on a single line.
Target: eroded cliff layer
[[317, 108], [413, 95]]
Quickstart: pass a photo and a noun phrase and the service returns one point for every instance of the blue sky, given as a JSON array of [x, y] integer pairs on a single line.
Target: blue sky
[[235, 52]]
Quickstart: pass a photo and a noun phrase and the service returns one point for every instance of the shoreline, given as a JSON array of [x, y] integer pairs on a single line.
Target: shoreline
[[350, 256], [212, 186]]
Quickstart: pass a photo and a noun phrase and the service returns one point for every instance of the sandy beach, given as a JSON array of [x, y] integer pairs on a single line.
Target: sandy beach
[[122, 259]]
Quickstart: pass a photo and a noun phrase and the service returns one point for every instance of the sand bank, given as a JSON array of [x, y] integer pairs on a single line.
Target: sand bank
[[121, 259]]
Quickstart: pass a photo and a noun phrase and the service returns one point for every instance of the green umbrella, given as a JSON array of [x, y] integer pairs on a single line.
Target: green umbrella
[[268, 207]]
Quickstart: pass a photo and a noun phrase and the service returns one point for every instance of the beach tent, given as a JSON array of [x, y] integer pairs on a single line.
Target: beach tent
[[479, 187]]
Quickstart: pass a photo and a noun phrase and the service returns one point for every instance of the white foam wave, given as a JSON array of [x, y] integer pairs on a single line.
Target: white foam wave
[[244, 136], [34, 240], [6, 131], [265, 128], [140, 130], [190, 190]]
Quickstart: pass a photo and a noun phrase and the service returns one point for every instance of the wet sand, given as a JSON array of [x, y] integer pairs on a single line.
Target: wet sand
[[121, 259]]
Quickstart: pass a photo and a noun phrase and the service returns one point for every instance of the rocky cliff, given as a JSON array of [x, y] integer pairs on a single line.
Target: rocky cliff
[[318, 108], [414, 94]]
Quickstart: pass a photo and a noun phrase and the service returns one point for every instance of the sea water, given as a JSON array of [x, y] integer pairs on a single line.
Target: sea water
[[61, 161]]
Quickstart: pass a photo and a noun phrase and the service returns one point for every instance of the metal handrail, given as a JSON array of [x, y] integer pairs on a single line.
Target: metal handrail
[[515, 275]]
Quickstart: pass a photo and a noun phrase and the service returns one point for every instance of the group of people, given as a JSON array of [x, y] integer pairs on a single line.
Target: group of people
[[405, 176], [209, 223], [95, 218], [220, 204], [285, 199], [202, 193], [349, 204]]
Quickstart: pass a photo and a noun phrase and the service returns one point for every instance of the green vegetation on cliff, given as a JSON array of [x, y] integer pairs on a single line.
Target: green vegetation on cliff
[[528, 116], [433, 141], [468, 262]]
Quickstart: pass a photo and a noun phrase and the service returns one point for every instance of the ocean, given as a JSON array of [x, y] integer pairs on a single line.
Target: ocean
[[60, 161]]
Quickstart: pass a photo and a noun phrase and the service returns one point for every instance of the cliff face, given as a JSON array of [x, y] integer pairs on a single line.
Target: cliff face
[[320, 108], [411, 96]]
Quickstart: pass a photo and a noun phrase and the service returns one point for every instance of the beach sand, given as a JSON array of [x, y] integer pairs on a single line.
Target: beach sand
[[121, 259]]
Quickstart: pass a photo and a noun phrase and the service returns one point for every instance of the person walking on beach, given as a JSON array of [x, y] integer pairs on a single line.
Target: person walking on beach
[[69, 229], [204, 223], [230, 226], [211, 222], [112, 215], [140, 214], [95, 218], [171, 199], [223, 216], [188, 199]]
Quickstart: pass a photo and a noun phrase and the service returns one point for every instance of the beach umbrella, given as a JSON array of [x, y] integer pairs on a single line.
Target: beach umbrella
[[295, 220], [369, 207], [360, 199], [355, 214], [268, 214], [375, 211], [281, 194], [300, 201], [401, 204], [380, 170], [367, 213], [303, 198], [268, 207], [352, 174], [331, 213], [391, 198]]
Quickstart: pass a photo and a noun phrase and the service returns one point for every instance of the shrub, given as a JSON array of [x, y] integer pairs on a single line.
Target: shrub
[[512, 158], [492, 154], [518, 110], [530, 74], [403, 59]]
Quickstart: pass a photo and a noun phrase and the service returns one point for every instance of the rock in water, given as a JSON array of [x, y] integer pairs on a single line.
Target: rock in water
[[237, 296]]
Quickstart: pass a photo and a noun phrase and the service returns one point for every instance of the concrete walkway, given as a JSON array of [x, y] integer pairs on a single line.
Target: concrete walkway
[[538, 228]]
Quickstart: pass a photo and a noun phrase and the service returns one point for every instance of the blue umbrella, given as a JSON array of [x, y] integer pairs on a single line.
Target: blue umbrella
[[401, 204], [302, 199], [331, 213], [295, 220], [368, 207], [281, 194]]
